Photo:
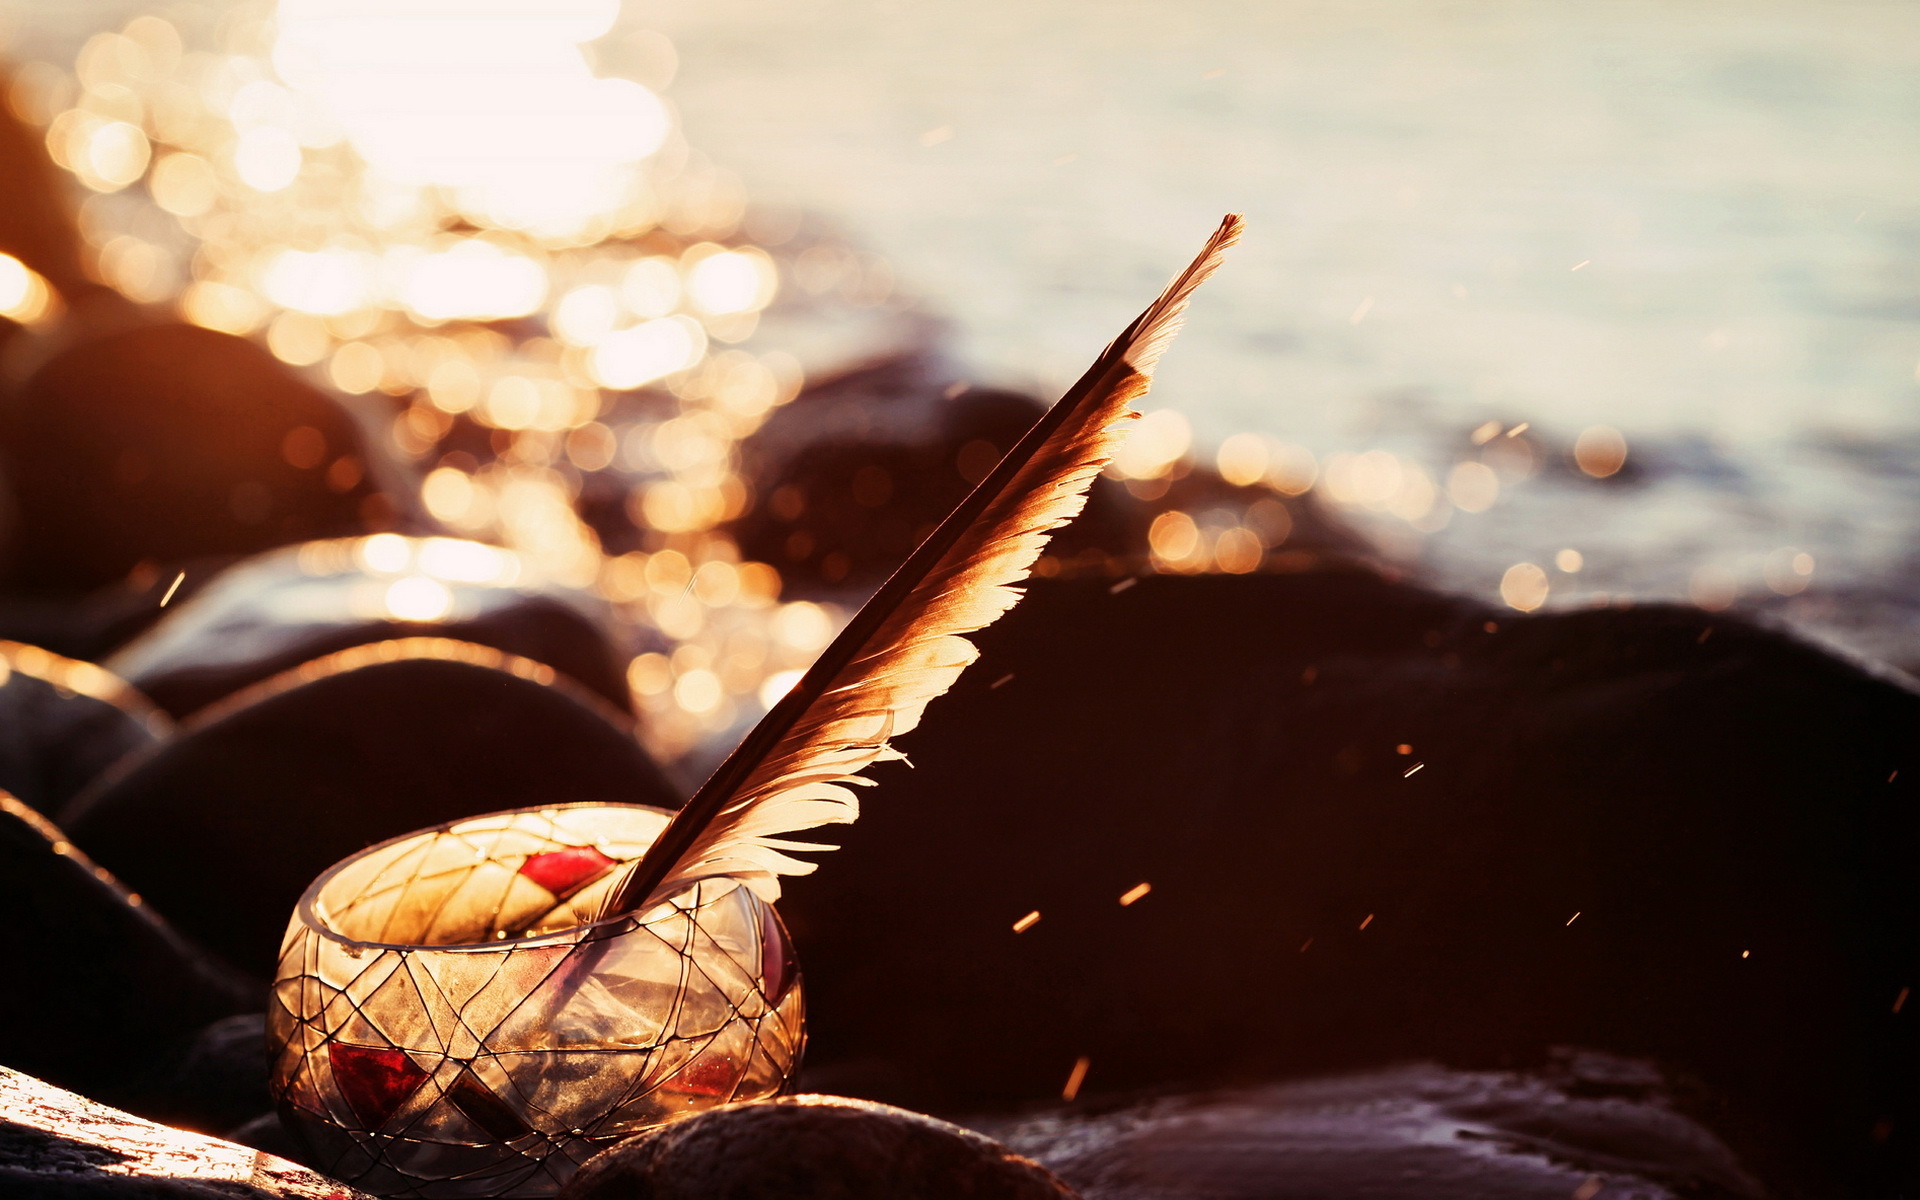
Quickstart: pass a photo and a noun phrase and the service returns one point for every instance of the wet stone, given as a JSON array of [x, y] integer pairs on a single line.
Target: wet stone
[[856, 471], [136, 442], [289, 606], [224, 827], [55, 1145], [62, 723], [1419, 1132], [812, 1146], [97, 993], [1719, 814]]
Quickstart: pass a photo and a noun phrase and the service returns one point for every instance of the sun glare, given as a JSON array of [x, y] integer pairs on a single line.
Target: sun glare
[[492, 101]]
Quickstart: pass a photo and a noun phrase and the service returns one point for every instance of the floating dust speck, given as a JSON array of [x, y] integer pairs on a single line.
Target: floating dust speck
[[1900, 1001], [1410, 771], [1123, 585], [1007, 678], [1076, 1077], [1027, 922], [1367, 922], [1134, 893], [1573, 918], [173, 587]]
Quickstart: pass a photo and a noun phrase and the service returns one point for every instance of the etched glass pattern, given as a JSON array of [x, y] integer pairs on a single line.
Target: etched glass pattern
[[444, 1022]]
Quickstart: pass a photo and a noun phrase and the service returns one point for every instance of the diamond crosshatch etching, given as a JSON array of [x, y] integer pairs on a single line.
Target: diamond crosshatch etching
[[448, 1019]]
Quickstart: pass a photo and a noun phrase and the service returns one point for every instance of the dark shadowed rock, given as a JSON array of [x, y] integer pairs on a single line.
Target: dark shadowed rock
[[55, 1145], [811, 1148], [63, 722], [1660, 832], [280, 609], [94, 986], [162, 443], [210, 1080], [854, 472], [1589, 1127], [91, 625], [223, 827], [36, 223], [857, 469]]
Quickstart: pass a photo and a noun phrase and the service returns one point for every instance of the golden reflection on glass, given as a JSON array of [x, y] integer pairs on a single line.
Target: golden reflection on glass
[[448, 1019]]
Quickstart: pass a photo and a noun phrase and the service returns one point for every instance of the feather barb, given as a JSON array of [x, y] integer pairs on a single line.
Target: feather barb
[[907, 645]]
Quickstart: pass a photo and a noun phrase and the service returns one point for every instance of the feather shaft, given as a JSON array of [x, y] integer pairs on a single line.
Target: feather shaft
[[906, 645]]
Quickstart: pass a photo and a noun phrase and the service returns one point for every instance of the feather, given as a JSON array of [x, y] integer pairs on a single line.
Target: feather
[[797, 768]]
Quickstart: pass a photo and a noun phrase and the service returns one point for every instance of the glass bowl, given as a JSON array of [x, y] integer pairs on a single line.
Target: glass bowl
[[448, 1020]]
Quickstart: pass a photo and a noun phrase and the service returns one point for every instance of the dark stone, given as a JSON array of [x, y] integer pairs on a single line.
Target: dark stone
[[266, 1132], [1588, 1126], [94, 985], [159, 443], [36, 223], [811, 1148], [280, 609], [55, 1145], [208, 1081], [223, 827], [1718, 807], [91, 625], [63, 722], [855, 471]]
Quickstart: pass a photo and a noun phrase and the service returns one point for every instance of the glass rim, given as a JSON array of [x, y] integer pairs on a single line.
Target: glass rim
[[304, 910]]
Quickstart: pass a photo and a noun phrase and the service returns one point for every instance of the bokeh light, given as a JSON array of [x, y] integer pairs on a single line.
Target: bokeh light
[[550, 299]]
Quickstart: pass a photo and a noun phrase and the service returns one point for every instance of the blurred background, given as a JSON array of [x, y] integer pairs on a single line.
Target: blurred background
[[1558, 304]]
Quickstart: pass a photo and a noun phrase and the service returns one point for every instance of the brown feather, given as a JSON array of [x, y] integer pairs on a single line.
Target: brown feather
[[907, 645]]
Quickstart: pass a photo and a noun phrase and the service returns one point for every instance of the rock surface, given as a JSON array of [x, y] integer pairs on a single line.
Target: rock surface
[[135, 441], [1659, 832], [95, 986], [857, 469], [63, 723], [812, 1147], [277, 610], [1592, 1127], [55, 1145], [224, 827]]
